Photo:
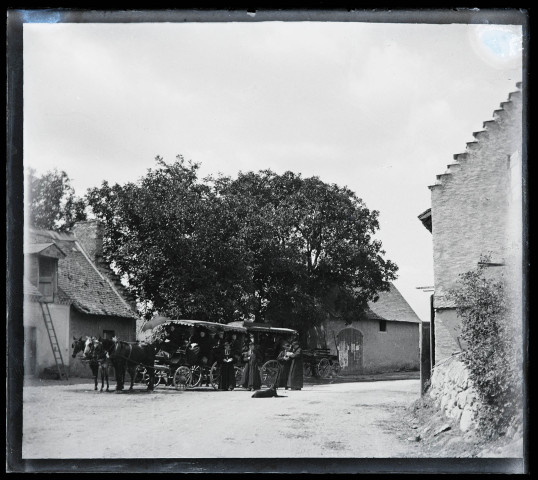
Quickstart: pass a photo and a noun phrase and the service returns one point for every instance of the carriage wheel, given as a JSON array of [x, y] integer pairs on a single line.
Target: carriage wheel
[[324, 367], [214, 375], [269, 373], [238, 375], [307, 369], [157, 378], [196, 376], [182, 377]]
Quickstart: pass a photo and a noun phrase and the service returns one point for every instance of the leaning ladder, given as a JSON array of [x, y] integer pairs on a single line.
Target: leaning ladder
[[62, 372]]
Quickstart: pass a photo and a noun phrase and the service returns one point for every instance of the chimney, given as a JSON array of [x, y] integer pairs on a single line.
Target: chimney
[[90, 235]]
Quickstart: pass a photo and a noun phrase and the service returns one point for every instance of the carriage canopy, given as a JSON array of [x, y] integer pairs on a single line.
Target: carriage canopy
[[262, 327], [211, 326]]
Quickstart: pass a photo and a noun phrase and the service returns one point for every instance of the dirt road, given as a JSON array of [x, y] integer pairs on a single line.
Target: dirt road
[[336, 420]]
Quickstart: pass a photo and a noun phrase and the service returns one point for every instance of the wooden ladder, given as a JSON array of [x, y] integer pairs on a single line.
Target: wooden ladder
[[62, 371]]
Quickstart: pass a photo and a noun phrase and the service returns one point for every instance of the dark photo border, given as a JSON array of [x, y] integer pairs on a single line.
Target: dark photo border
[[14, 246]]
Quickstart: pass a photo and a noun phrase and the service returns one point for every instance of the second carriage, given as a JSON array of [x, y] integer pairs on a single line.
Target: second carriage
[[320, 363], [270, 340]]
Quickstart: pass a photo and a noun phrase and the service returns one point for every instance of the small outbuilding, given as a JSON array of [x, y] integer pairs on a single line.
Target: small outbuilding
[[67, 284], [384, 338]]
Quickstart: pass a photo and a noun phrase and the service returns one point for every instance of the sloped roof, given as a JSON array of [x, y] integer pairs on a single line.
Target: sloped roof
[[30, 290], [46, 249], [391, 306], [80, 281]]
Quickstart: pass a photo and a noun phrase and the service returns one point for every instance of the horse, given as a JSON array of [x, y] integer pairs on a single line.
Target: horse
[[80, 345], [98, 354], [133, 355], [108, 347]]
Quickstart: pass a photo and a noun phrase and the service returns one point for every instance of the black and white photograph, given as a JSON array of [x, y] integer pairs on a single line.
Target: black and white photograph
[[267, 241]]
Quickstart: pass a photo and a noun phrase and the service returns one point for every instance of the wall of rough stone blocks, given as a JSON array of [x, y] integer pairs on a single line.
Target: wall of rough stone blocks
[[453, 392]]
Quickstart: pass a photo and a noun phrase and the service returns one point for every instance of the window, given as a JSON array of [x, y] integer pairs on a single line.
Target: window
[[382, 325], [47, 277], [108, 334]]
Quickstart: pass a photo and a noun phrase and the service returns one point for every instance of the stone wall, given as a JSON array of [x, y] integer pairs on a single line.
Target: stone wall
[[452, 391]]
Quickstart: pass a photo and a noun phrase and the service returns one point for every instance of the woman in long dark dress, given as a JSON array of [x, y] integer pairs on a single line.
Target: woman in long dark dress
[[251, 373], [227, 372], [284, 362], [295, 377]]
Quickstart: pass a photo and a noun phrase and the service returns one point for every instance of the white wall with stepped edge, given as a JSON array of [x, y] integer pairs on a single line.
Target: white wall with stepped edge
[[474, 212]]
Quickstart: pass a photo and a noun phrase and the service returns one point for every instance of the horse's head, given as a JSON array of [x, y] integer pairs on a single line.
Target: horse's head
[[77, 346], [88, 346]]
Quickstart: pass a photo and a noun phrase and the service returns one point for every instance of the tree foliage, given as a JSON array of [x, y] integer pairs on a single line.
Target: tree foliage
[[262, 246], [52, 203], [492, 351]]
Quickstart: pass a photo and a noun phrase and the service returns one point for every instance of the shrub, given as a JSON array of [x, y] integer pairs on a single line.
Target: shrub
[[491, 352]]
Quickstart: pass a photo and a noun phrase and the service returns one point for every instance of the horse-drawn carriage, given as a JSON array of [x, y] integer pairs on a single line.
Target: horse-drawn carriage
[[188, 352]]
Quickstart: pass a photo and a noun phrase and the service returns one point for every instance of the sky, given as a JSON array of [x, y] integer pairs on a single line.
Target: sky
[[378, 107]]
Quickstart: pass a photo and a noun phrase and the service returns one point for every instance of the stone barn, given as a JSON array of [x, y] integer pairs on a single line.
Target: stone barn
[[385, 338], [66, 278]]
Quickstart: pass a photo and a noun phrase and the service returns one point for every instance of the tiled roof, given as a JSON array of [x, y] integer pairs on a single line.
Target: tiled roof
[[80, 281], [391, 306], [30, 290]]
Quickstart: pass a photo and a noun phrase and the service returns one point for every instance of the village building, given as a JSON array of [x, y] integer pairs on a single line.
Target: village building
[[384, 338], [66, 283], [476, 211]]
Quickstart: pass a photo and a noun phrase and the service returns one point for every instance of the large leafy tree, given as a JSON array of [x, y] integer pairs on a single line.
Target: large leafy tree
[[271, 247], [169, 235], [52, 203], [310, 247]]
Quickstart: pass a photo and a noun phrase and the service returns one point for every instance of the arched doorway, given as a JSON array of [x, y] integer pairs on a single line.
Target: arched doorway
[[349, 341]]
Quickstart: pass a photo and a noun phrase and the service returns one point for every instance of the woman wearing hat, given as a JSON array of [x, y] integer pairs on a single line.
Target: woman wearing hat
[[284, 361], [295, 377]]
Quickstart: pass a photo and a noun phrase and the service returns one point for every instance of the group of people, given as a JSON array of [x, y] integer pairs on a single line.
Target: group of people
[[205, 348], [290, 360]]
